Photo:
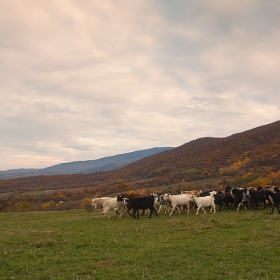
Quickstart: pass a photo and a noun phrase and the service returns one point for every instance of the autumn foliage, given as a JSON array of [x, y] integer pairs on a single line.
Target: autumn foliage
[[250, 158]]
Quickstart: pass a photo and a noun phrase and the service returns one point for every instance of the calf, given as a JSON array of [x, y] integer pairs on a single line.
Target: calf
[[204, 201], [258, 196], [128, 207], [158, 201], [206, 193], [229, 199], [241, 197], [275, 200], [166, 203], [108, 203], [178, 200], [141, 203], [220, 199], [197, 193]]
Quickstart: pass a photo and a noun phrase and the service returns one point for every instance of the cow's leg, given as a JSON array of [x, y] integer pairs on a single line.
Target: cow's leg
[[106, 212], [214, 209], [203, 210], [172, 210], [153, 210], [256, 205], [159, 208], [239, 206], [179, 209], [156, 214], [121, 212], [165, 209], [272, 208], [227, 203], [134, 213], [128, 208]]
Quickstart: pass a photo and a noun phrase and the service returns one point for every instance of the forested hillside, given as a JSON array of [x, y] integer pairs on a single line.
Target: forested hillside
[[248, 158]]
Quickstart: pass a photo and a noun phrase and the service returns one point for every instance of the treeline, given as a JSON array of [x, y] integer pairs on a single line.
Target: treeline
[[160, 177], [66, 199], [251, 158]]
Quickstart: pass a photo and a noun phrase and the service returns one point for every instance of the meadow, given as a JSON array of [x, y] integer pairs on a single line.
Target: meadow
[[76, 244]]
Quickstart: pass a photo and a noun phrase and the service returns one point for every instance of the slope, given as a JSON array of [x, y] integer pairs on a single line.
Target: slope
[[210, 153], [257, 149]]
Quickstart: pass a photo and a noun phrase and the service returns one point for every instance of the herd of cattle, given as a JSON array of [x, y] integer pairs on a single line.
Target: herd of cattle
[[185, 200]]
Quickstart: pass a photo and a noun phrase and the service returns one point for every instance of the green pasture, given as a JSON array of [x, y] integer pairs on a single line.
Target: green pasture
[[76, 244]]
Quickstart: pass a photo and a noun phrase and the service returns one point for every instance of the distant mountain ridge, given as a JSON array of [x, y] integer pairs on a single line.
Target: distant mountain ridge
[[88, 166], [252, 152], [260, 145]]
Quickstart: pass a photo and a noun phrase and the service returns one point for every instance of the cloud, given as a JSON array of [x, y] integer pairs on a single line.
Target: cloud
[[84, 80]]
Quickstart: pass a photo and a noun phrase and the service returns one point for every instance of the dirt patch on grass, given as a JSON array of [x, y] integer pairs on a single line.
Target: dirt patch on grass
[[102, 263]]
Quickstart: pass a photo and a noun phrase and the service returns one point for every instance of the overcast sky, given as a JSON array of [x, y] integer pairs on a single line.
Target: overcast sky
[[81, 80]]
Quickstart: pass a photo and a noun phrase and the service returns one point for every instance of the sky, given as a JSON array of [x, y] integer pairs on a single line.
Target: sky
[[82, 80]]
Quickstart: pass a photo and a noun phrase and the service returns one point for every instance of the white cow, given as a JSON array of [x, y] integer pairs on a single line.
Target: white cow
[[204, 201], [177, 201], [109, 203]]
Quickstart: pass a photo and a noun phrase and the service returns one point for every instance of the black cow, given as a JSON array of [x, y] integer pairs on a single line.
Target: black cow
[[229, 199], [241, 197], [141, 203], [276, 200], [258, 196], [220, 199], [206, 193], [127, 205]]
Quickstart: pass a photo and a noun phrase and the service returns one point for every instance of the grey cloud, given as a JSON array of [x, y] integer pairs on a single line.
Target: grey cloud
[[83, 80]]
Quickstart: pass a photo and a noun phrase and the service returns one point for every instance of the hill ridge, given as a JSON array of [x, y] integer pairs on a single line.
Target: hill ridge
[[254, 151], [86, 166]]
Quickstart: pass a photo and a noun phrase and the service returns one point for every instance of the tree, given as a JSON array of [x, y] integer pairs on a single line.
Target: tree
[[4, 203], [25, 206], [87, 204]]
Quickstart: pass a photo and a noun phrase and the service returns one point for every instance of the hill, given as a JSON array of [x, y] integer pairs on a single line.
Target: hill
[[88, 166], [251, 155], [255, 148]]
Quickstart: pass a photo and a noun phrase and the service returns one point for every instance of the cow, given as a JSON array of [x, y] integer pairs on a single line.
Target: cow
[[229, 199], [275, 200], [194, 192], [177, 201], [258, 196], [141, 203], [241, 197], [220, 199], [108, 203], [158, 201], [128, 207], [204, 201], [206, 193]]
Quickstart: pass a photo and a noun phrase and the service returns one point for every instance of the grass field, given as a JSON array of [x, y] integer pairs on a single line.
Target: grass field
[[76, 244]]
